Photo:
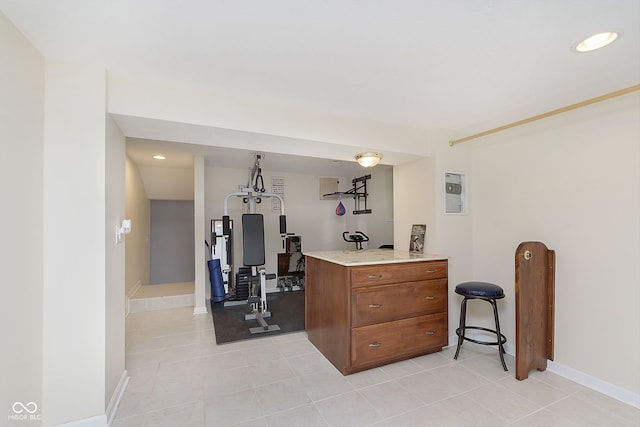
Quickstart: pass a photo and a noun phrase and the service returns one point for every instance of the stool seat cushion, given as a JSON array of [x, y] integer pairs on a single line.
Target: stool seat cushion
[[480, 289]]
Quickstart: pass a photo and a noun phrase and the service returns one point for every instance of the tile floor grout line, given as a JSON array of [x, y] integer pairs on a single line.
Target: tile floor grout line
[[545, 407]]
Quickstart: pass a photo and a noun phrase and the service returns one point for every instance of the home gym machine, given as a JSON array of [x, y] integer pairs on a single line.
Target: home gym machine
[[253, 248]]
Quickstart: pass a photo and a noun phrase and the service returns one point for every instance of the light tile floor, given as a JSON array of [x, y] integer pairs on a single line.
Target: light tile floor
[[180, 377]]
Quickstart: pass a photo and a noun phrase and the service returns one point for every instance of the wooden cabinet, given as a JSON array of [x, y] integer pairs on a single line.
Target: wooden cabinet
[[365, 316]]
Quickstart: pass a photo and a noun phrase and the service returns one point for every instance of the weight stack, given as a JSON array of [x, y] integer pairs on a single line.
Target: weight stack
[[243, 280]]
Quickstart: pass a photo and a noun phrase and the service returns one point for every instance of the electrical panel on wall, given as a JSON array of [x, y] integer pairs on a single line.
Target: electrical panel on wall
[[454, 193]]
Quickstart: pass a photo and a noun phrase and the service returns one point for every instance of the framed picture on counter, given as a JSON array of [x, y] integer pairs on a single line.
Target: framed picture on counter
[[416, 243]]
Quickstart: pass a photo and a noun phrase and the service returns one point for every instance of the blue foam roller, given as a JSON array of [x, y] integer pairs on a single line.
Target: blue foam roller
[[215, 276]]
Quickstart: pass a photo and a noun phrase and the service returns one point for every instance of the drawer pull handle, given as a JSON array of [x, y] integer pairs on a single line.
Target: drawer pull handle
[[432, 271], [430, 298], [376, 276], [375, 344], [375, 305], [435, 331]]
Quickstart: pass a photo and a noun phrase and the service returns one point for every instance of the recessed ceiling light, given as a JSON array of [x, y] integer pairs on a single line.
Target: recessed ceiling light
[[159, 157], [596, 41]]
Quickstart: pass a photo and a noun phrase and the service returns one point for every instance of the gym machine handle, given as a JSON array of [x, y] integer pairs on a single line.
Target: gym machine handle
[[226, 225], [283, 230]]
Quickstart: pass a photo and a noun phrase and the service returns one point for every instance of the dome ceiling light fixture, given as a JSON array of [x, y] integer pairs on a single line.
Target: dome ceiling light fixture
[[368, 160], [596, 41], [159, 157]]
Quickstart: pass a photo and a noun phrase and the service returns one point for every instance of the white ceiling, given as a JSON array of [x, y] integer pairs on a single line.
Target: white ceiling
[[141, 151], [463, 65]]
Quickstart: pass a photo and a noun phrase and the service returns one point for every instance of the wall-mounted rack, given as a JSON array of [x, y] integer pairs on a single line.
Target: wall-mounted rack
[[358, 192]]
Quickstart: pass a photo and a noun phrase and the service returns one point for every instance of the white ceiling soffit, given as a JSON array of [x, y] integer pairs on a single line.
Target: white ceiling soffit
[[204, 140], [180, 156]]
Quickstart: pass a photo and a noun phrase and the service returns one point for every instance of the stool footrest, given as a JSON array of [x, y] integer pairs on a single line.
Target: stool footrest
[[463, 336]]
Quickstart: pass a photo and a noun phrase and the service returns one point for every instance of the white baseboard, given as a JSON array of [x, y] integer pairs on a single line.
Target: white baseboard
[[135, 288], [107, 418], [130, 294], [116, 398], [99, 421], [596, 384], [608, 389], [200, 310]]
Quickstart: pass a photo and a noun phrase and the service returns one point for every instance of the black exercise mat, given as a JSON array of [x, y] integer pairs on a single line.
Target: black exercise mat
[[287, 311]]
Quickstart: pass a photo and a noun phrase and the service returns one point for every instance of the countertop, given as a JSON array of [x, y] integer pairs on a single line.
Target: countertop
[[372, 256]]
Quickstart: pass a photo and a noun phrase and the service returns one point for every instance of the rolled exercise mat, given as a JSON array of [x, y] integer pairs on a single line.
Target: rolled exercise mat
[[217, 284]]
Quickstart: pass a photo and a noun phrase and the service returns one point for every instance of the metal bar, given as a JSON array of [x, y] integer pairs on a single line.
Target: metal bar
[[547, 114]]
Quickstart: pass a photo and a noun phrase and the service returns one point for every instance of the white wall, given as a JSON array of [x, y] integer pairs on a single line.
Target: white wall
[[74, 244], [453, 234], [199, 230], [115, 260], [414, 194], [21, 186], [419, 199], [572, 182], [64, 350], [137, 243]]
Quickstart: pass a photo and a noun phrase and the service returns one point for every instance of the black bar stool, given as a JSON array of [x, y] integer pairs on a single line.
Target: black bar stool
[[486, 292]]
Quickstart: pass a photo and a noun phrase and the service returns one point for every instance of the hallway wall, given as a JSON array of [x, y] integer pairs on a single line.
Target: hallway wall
[[137, 243], [74, 319], [172, 237]]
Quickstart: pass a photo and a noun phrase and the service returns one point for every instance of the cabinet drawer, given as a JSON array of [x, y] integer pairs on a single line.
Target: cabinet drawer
[[395, 273], [376, 304], [376, 343]]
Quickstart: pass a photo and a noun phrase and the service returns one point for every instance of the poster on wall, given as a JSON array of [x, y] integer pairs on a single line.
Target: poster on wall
[[416, 243], [277, 187]]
